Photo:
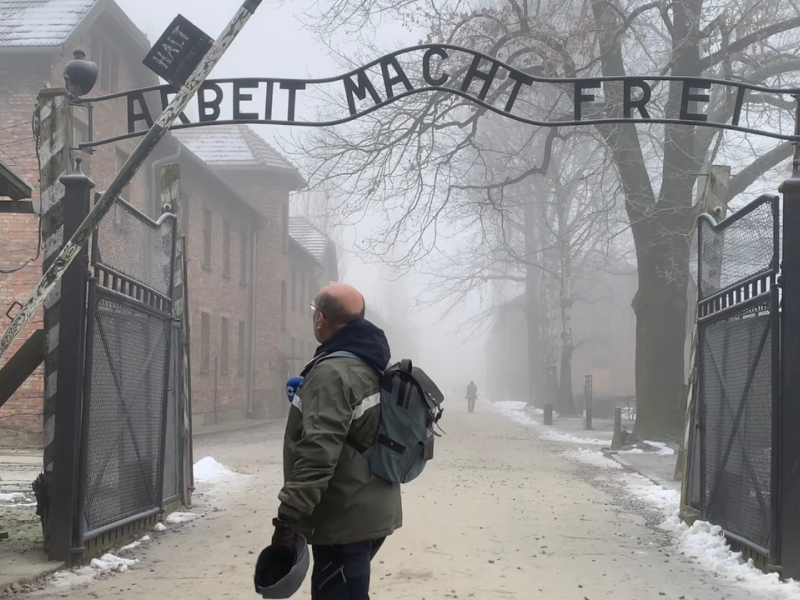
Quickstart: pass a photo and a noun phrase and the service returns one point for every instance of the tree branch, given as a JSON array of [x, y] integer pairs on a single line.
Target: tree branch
[[757, 168], [749, 40]]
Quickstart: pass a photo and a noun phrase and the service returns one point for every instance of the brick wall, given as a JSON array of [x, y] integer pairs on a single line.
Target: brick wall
[[298, 343], [217, 295], [22, 75]]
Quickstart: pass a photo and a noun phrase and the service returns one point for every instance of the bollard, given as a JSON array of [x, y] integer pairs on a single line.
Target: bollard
[[616, 442], [548, 414], [587, 397]]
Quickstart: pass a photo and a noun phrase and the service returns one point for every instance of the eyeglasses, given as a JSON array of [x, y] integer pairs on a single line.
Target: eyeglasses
[[315, 309]]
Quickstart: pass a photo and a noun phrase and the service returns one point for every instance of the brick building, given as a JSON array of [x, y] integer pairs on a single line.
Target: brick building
[[312, 265], [234, 208]]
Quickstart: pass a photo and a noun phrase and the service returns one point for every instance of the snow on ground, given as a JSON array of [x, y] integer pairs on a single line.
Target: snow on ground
[[108, 563], [592, 458], [516, 411], [182, 517], [702, 541], [209, 470], [160, 528], [13, 497], [661, 450], [135, 544]]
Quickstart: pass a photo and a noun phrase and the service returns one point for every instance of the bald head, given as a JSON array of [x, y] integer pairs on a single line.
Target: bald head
[[340, 304]]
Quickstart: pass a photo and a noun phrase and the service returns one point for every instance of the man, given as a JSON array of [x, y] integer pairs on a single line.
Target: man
[[329, 495], [472, 395]]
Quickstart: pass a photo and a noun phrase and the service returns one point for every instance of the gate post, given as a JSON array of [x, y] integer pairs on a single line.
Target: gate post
[[788, 413], [65, 543]]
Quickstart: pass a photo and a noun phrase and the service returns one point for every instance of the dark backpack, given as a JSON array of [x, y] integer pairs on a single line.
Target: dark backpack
[[410, 406]]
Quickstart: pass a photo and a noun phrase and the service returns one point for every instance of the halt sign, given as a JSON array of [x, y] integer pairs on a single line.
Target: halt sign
[[178, 52]]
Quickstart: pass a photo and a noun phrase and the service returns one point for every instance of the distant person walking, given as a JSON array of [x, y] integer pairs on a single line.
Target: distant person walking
[[472, 396], [330, 496]]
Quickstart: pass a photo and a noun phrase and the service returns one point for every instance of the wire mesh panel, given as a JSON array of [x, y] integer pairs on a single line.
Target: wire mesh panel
[[742, 248], [736, 408], [126, 463], [129, 243], [732, 478], [125, 411]]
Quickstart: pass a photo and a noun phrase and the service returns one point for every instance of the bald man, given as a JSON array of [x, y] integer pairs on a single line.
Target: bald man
[[329, 495]]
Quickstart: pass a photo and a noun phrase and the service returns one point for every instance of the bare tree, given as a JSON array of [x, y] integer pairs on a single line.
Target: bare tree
[[406, 159]]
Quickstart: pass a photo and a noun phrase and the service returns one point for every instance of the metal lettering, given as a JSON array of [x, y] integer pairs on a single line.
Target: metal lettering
[[426, 66], [580, 97], [474, 72], [641, 103], [359, 91], [689, 96], [388, 81]]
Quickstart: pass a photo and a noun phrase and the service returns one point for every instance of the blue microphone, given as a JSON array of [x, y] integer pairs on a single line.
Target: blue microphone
[[291, 387]]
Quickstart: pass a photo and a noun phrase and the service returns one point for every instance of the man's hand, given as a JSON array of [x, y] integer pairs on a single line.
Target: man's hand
[[284, 535]]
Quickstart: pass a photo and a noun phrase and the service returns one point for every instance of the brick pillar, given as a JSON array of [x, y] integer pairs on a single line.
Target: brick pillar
[[55, 129]]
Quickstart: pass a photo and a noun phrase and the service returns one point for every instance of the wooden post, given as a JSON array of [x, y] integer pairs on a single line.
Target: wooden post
[[55, 130], [548, 414], [616, 441], [171, 202], [64, 529]]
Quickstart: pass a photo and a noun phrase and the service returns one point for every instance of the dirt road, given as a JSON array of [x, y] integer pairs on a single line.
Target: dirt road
[[500, 514]]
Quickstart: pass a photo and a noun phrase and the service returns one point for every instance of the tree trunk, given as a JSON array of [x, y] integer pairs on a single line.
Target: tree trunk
[[660, 307], [566, 399], [533, 306], [533, 322]]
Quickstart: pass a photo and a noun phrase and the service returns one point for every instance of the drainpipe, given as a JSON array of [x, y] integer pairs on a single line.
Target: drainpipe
[[251, 375]]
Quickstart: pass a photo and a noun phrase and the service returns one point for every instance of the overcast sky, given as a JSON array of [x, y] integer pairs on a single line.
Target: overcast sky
[[275, 44]]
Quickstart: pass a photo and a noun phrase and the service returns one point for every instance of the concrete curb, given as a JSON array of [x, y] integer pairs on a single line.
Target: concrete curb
[[614, 455]]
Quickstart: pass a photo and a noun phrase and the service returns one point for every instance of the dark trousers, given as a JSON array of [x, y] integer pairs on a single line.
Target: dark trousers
[[342, 572]]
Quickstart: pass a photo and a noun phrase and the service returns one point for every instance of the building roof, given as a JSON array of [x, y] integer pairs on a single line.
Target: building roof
[[12, 185], [234, 146], [311, 239], [40, 23]]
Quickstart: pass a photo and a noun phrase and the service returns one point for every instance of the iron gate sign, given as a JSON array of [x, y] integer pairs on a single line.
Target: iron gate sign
[[178, 52], [481, 79]]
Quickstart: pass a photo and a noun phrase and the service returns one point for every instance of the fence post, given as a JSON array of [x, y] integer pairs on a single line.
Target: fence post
[[64, 518], [548, 414], [788, 409], [588, 399], [616, 441]]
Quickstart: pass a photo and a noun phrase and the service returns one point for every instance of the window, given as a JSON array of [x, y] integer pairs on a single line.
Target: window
[[225, 345], [293, 356], [205, 342], [226, 249], [242, 358], [294, 289], [283, 305], [122, 158], [244, 246], [207, 222], [311, 289], [303, 300]]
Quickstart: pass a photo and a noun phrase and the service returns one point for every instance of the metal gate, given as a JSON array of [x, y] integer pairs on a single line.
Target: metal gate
[[126, 469], [733, 478]]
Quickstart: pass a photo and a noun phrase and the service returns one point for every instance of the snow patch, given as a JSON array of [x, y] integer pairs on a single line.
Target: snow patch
[[560, 436], [209, 470], [706, 544], [108, 563], [182, 517], [13, 497], [661, 450], [134, 545], [160, 528]]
